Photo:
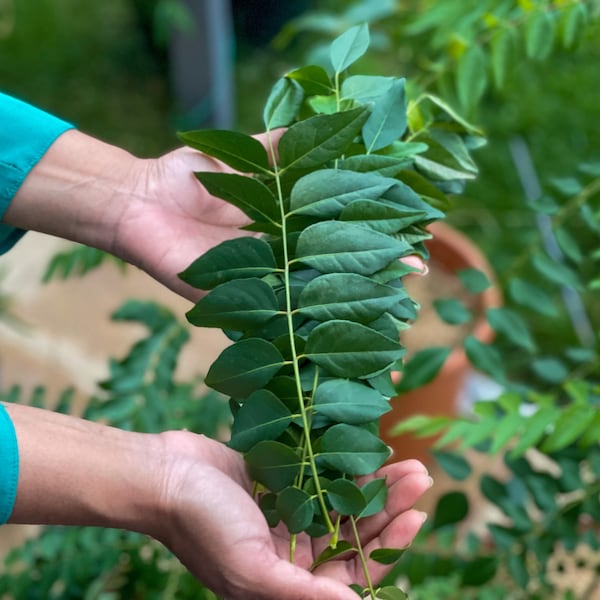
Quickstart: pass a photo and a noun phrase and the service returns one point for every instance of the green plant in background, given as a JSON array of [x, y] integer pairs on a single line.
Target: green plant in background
[[75, 563], [315, 305]]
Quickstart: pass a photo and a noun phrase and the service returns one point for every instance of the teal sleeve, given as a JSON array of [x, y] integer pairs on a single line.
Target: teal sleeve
[[26, 133], [9, 465]]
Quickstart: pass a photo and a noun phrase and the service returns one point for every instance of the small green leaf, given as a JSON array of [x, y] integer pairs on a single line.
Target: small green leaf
[[347, 349], [574, 23], [347, 296], [555, 271], [452, 311], [572, 423], [539, 35], [484, 357], [550, 369], [351, 450], [391, 593], [381, 216], [531, 296], [349, 402], [375, 493], [345, 497], [423, 367], [233, 259], [568, 244], [471, 77], [248, 194], [518, 568], [347, 48], [450, 509], [244, 367], [283, 103], [474, 280], [237, 305], [241, 152], [313, 79], [453, 464], [479, 571], [342, 547], [324, 193], [273, 464], [386, 166], [386, 556], [512, 325], [296, 509], [314, 141], [536, 427], [503, 50], [267, 505], [263, 416], [340, 247]]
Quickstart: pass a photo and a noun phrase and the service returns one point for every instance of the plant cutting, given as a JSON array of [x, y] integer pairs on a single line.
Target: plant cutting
[[314, 301]]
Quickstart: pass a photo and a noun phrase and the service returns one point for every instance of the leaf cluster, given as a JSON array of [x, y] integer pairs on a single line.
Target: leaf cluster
[[315, 302]]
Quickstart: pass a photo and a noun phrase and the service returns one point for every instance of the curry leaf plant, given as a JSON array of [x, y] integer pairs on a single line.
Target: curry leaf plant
[[313, 300]]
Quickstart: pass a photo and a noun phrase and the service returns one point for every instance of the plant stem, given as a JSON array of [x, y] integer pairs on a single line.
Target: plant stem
[[296, 367], [363, 559]]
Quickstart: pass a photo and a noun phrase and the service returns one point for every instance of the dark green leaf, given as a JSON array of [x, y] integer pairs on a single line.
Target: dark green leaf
[[233, 259], [518, 569], [352, 450], [503, 49], [347, 349], [244, 367], [283, 103], [471, 77], [531, 296], [450, 509], [342, 547], [324, 193], [484, 357], [391, 593], [347, 48], [349, 402], [550, 369], [423, 367], [474, 280], [347, 296], [387, 121], [248, 194], [314, 141], [479, 571], [313, 79], [296, 509], [386, 556], [555, 271], [273, 464], [375, 493], [453, 464], [241, 152], [381, 216], [267, 505], [539, 35], [509, 323], [345, 497], [263, 416], [452, 311], [338, 247], [237, 305], [386, 166]]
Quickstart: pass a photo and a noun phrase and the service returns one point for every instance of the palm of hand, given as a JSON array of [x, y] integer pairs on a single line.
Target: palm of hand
[[221, 536]]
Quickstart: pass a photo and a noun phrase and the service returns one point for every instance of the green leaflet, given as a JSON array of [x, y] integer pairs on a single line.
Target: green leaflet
[[338, 247], [273, 464], [244, 367], [349, 47], [311, 143], [345, 497], [347, 401], [233, 259], [296, 509], [347, 349], [283, 103], [237, 305], [352, 450], [263, 416], [347, 296], [324, 193], [381, 216], [241, 152], [248, 194]]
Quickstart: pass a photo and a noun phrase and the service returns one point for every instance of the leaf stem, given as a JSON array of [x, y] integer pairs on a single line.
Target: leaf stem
[[296, 367], [363, 559]]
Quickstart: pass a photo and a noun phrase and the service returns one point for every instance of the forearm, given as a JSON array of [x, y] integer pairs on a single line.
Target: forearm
[[75, 472], [77, 191]]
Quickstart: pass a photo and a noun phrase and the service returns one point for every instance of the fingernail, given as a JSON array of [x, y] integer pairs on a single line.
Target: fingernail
[[423, 516], [431, 482]]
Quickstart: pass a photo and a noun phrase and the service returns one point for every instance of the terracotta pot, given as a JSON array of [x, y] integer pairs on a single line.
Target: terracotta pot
[[452, 251]]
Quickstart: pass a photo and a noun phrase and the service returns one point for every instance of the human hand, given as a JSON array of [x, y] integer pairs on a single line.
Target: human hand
[[218, 532]]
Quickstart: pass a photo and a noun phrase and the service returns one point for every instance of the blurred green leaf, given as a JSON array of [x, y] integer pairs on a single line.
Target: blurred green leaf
[[347, 48], [452, 311], [509, 323], [453, 464], [422, 368], [450, 509]]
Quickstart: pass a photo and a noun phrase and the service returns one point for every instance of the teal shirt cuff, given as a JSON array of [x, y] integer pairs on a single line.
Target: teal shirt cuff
[[26, 133], [9, 465]]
